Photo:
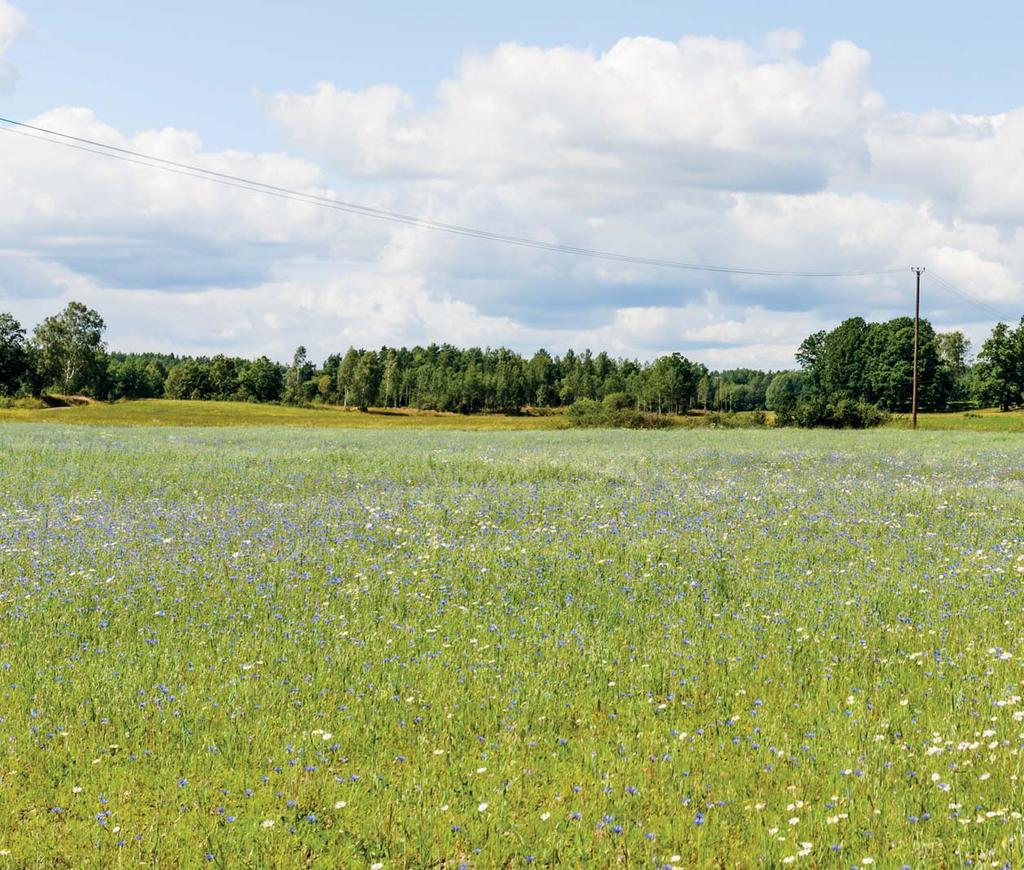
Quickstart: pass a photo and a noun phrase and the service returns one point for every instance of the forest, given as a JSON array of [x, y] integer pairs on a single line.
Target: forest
[[853, 375]]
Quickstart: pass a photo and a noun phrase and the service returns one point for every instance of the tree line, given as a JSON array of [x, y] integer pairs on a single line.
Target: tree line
[[846, 376]]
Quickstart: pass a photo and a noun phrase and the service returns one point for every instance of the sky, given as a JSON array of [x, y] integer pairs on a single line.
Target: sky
[[788, 136]]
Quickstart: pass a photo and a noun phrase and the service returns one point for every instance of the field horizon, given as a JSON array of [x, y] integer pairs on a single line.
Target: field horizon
[[176, 412]]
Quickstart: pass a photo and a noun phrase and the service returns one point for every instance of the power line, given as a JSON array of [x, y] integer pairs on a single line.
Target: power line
[[953, 288], [127, 155]]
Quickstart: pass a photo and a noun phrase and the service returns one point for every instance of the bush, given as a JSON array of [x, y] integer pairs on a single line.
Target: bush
[[630, 418], [588, 412], [842, 414], [618, 401]]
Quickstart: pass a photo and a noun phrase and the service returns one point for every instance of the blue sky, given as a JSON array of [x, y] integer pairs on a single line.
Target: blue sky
[[867, 134], [196, 64]]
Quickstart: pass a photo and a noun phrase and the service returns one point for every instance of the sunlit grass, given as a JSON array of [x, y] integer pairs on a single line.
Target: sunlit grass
[[988, 420], [169, 412]]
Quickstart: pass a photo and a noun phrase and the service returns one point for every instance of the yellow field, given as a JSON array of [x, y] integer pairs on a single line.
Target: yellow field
[[168, 412], [989, 420]]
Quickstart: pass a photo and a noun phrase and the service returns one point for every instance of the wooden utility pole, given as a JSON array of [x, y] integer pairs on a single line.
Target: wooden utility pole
[[917, 322]]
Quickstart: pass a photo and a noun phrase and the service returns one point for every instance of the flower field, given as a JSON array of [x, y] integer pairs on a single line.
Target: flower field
[[409, 648]]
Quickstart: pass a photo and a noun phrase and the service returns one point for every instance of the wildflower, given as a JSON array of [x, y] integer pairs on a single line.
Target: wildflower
[[482, 807]]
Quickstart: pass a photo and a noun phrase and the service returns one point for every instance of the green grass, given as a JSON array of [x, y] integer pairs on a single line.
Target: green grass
[[280, 647], [988, 420], [167, 412]]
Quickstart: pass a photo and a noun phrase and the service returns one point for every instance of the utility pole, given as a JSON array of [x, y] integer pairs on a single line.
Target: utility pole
[[917, 270]]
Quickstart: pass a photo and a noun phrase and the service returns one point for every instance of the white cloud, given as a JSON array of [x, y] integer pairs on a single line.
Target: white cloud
[[969, 165], [701, 112], [702, 151]]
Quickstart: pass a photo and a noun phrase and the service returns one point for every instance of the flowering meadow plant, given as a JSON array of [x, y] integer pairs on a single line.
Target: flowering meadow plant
[[279, 647]]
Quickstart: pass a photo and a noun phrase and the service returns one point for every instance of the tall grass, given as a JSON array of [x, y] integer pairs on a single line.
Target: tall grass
[[280, 647]]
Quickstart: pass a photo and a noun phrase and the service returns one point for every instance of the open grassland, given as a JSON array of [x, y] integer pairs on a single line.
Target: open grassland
[[170, 412], [989, 420], [286, 647]]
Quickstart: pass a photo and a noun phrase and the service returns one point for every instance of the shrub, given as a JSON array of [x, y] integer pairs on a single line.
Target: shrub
[[630, 418], [618, 401], [588, 412], [841, 414]]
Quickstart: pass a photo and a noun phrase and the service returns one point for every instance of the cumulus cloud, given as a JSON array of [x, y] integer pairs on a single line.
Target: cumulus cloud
[[702, 112], [701, 150]]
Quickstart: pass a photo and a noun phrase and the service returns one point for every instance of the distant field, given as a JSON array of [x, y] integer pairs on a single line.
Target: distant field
[[281, 647], [167, 412], [989, 420]]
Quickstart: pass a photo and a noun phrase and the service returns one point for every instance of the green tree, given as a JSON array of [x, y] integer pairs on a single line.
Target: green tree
[[542, 374], [261, 380], [999, 374], [299, 372], [810, 356], [954, 350], [672, 384], [70, 349], [189, 379], [130, 378], [365, 381], [223, 374], [391, 377], [784, 394], [14, 357], [703, 391], [346, 375], [845, 360]]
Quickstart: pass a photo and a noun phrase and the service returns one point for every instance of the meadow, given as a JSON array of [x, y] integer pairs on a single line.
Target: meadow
[[172, 412], [285, 646]]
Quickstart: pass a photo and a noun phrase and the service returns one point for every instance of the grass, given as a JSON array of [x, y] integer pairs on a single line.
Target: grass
[[988, 420], [168, 412], [337, 648]]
